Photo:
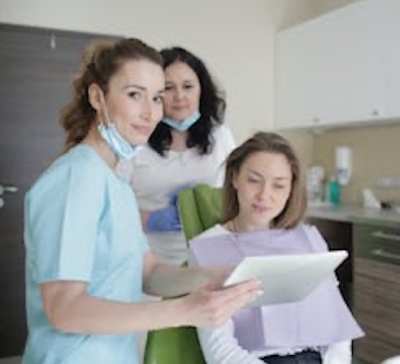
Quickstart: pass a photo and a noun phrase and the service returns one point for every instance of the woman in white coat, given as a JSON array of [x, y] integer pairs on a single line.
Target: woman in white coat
[[188, 146]]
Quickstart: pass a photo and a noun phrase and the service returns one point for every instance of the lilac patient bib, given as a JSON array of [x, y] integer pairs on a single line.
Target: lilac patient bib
[[321, 319]]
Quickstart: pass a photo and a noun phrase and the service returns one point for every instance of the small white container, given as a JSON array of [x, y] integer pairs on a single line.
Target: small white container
[[344, 164]]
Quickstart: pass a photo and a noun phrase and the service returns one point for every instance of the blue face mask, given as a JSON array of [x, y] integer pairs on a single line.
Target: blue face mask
[[185, 124], [121, 147], [118, 144]]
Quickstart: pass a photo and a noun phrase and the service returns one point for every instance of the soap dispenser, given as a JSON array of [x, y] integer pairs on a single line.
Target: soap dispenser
[[343, 164]]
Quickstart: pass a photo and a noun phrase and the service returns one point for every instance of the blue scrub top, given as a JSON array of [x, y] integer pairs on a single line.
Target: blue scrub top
[[81, 224]]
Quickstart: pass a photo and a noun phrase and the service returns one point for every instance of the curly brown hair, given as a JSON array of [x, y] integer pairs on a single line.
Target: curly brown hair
[[100, 61]]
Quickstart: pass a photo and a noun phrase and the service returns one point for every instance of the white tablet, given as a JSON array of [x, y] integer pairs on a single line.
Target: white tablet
[[287, 278]]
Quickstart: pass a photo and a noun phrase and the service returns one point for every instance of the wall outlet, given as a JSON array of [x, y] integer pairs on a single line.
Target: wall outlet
[[388, 182]]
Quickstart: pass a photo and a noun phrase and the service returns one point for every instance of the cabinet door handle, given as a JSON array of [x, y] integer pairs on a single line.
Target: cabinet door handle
[[8, 189], [383, 235], [383, 254]]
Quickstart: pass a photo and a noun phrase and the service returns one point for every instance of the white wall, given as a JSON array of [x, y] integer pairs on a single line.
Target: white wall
[[232, 36], [235, 38]]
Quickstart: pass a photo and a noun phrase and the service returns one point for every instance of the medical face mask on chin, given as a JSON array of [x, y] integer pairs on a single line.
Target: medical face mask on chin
[[118, 144], [121, 147], [183, 125]]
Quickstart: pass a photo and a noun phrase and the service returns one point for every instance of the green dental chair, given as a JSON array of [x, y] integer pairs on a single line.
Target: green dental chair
[[200, 208]]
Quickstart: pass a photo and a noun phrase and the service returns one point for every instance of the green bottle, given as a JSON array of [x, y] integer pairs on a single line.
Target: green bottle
[[334, 191]]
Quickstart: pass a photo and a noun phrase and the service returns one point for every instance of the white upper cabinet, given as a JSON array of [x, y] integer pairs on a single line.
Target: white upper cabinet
[[390, 59], [340, 68]]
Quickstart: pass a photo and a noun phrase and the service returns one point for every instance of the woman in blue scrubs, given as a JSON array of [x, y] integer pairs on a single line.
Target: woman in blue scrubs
[[87, 259]]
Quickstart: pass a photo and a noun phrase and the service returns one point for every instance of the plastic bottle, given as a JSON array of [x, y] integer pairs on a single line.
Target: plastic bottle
[[334, 191]]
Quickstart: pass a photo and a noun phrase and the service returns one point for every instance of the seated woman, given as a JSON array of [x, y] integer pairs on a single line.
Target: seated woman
[[264, 205]]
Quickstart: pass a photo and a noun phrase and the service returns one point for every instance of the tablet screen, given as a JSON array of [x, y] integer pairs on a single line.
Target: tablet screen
[[287, 278]]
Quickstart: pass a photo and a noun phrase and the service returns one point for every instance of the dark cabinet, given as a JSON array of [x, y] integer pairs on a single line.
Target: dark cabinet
[[369, 281], [377, 290], [338, 235]]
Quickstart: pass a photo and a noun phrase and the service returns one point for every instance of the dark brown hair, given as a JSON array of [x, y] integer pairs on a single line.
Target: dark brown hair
[[101, 60], [296, 205], [211, 106]]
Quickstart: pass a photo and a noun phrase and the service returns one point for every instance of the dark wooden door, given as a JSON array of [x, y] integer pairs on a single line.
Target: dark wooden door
[[36, 70]]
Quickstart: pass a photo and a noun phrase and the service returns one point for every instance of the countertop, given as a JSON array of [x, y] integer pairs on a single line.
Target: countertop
[[348, 213]]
